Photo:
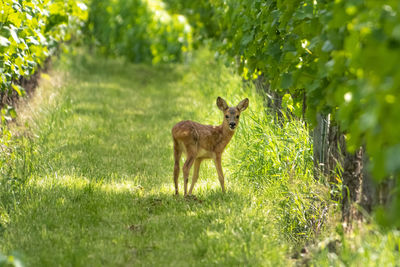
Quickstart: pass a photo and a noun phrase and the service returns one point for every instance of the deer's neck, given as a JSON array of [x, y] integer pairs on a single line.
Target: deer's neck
[[226, 134]]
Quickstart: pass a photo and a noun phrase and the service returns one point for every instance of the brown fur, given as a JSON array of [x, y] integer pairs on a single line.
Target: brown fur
[[201, 142]]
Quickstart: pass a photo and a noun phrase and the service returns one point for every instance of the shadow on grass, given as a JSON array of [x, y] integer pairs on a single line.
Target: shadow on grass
[[81, 222], [212, 229]]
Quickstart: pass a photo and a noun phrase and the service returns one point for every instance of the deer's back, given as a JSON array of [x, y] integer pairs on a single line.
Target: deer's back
[[190, 132]]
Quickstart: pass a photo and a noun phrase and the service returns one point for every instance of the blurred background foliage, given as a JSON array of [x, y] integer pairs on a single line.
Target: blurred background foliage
[[140, 30], [32, 31]]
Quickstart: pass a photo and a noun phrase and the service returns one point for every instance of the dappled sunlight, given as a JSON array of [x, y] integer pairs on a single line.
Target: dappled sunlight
[[102, 85], [79, 183], [125, 186], [202, 186]]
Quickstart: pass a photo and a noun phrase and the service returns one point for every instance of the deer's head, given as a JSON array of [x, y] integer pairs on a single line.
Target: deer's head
[[232, 114]]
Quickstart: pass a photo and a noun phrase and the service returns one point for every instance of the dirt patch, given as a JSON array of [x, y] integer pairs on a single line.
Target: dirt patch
[[136, 228]]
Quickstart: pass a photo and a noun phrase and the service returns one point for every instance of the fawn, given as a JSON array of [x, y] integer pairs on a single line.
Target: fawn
[[201, 142]]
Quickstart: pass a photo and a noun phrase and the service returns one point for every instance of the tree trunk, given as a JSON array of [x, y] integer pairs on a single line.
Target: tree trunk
[[273, 99], [369, 189], [333, 161], [320, 145], [353, 178]]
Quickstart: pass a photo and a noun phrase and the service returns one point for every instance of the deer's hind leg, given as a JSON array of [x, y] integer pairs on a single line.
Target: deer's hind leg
[[191, 154], [177, 158]]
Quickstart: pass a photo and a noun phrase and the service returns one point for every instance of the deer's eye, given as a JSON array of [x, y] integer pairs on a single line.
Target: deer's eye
[[226, 116], [237, 116]]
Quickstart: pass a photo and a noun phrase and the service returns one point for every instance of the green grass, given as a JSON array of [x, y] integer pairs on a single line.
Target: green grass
[[96, 187], [367, 245], [86, 177]]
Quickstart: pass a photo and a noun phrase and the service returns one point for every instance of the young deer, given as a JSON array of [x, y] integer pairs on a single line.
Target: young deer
[[201, 142]]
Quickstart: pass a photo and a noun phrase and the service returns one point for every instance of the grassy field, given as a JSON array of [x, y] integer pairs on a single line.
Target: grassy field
[[88, 177]]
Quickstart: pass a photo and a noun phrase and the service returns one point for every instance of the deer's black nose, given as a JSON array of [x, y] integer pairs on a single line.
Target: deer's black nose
[[232, 125]]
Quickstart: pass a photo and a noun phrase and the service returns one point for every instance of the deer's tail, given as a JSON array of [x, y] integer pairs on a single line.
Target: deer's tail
[[177, 157]]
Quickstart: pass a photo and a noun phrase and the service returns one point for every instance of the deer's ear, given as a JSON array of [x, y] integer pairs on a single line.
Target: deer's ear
[[221, 103], [243, 104]]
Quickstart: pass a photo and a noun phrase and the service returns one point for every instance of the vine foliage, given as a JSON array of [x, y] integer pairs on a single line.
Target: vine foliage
[[30, 32]]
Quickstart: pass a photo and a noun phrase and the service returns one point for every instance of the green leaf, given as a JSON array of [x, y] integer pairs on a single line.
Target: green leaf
[[33, 40], [286, 81], [4, 41], [13, 113], [274, 50], [393, 159], [247, 38], [14, 35], [18, 89], [328, 46], [287, 102], [304, 12]]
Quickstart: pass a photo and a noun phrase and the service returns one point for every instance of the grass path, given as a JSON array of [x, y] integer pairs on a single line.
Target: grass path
[[100, 189]]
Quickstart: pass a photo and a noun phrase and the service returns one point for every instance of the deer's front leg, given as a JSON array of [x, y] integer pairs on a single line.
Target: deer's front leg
[[218, 166], [195, 174]]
